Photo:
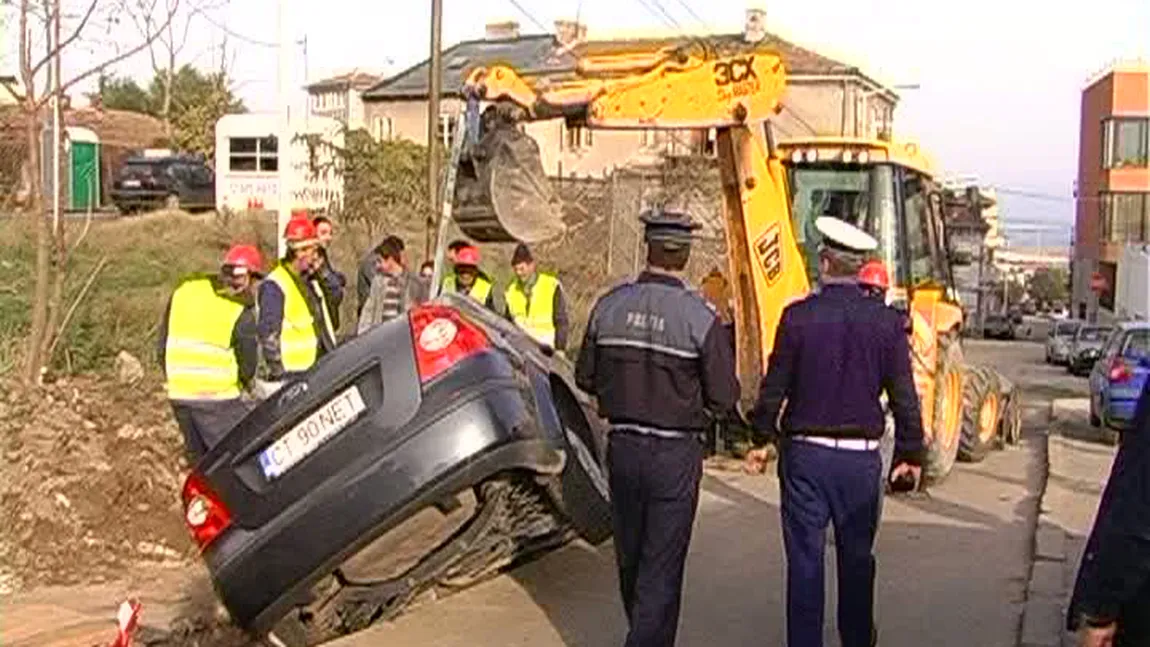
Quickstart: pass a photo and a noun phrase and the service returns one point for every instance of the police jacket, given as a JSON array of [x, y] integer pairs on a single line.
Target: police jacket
[[656, 356], [1113, 582], [835, 353]]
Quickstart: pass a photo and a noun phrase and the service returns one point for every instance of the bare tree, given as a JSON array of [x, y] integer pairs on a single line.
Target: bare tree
[[166, 48], [51, 248]]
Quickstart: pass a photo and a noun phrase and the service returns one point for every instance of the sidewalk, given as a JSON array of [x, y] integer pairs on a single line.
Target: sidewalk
[[1078, 464]]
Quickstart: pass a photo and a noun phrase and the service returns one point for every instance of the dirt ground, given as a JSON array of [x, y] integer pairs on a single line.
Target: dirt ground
[[92, 475]]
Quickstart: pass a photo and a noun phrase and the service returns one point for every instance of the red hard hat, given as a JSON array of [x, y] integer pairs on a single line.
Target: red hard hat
[[300, 232], [873, 273], [467, 256], [246, 257]]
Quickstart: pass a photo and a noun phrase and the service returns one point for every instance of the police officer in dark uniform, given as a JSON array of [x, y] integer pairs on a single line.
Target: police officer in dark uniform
[[835, 353], [657, 358], [1112, 591]]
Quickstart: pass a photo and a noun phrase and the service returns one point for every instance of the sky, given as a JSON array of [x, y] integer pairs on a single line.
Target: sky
[[999, 81]]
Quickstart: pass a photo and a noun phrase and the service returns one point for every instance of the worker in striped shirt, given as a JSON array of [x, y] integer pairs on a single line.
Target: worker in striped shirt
[[393, 289]]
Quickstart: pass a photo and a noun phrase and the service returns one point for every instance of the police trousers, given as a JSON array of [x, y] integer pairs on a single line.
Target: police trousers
[[822, 485], [654, 494], [204, 423]]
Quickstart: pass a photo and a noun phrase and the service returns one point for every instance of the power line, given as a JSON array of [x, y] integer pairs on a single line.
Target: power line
[[528, 14], [238, 36], [655, 9], [687, 7]]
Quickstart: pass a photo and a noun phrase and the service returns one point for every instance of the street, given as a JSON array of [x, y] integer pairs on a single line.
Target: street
[[953, 566]]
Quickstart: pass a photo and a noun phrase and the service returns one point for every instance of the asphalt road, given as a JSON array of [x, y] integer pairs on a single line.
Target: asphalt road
[[952, 566]]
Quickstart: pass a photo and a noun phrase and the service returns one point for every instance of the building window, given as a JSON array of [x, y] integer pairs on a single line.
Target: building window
[[447, 130], [253, 154], [382, 129], [1126, 143], [576, 137], [1125, 217]]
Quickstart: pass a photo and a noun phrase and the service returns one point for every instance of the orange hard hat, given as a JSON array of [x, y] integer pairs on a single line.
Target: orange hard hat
[[467, 256], [244, 259], [300, 232], [874, 274]]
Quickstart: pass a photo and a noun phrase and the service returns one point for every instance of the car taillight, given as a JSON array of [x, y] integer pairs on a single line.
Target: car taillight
[[1119, 372], [204, 513], [442, 339]]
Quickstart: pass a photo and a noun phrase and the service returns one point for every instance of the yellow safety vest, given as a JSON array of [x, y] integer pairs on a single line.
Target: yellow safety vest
[[198, 356], [537, 317], [298, 342], [480, 290]]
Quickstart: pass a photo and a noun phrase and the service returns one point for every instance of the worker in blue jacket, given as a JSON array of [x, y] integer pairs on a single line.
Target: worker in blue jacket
[[1111, 601], [835, 353]]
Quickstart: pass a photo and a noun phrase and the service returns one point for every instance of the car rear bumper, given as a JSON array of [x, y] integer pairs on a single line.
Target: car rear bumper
[[260, 574]]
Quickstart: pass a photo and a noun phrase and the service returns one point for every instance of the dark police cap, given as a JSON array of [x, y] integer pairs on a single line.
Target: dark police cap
[[671, 228]]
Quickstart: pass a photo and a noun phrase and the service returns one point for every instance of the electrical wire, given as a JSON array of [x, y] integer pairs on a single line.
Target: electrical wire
[[686, 6], [238, 36], [529, 16]]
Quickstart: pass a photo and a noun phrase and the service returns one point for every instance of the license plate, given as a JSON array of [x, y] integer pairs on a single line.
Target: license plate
[[315, 430], [131, 183]]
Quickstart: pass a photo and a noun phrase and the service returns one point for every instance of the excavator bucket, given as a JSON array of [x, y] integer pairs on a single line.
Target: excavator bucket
[[501, 191]]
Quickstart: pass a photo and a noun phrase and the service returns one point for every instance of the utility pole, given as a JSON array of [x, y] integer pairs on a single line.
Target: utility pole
[[57, 115], [434, 85], [283, 137]]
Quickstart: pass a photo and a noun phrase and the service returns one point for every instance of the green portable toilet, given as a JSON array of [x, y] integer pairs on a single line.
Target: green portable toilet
[[83, 169]]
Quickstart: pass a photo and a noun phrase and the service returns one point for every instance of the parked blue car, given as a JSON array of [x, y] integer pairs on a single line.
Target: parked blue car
[[1117, 377]]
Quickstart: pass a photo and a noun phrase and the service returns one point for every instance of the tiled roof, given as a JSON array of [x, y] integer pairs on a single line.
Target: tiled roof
[[540, 54], [355, 79]]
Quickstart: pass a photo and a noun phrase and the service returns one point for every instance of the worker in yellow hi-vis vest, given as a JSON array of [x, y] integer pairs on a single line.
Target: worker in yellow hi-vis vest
[[535, 301], [295, 324], [209, 351], [466, 278]]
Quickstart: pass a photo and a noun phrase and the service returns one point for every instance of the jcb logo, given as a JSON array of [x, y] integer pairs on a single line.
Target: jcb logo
[[770, 252], [735, 71]]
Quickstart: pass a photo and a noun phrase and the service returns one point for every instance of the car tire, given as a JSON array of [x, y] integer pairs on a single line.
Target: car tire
[[981, 412], [585, 494]]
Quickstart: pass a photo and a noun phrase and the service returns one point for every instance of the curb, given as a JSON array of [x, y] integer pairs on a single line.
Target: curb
[[1047, 588]]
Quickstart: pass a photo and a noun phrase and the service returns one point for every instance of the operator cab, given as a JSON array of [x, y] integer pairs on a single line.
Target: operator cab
[[884, 188]]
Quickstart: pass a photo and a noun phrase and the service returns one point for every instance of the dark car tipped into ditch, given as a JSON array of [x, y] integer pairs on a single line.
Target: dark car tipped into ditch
[[428, 454]]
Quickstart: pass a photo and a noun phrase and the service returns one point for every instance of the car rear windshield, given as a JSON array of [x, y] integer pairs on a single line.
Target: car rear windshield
[[1137, 344], [1066, 329], [141, 169], [1094, 334]]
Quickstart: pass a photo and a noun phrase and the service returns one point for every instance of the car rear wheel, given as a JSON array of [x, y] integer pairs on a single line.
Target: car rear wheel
[[585, 496]]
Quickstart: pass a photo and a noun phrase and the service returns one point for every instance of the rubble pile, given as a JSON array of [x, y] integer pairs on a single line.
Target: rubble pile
[[92, 471]]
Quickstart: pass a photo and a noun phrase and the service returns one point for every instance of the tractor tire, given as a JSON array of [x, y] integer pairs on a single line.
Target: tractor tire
[[942, 451], [981, 411], [1010, 427]]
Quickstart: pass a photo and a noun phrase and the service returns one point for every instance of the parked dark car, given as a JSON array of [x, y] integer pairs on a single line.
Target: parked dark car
[[423, 456], [998, 326], [1086, 348], [171, 181]]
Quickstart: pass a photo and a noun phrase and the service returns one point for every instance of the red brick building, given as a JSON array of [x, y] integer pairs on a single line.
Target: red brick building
[[1113, 188]]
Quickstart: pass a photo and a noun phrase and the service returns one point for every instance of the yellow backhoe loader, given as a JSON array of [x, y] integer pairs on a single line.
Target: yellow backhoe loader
[[771, 195]]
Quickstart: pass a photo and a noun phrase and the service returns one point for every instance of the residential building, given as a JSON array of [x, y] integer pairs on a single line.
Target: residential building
[[823, 96], [338, 97], [1113, 188], [970, 214]]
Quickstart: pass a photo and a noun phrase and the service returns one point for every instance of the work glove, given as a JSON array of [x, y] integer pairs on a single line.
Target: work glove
[[264, 389]]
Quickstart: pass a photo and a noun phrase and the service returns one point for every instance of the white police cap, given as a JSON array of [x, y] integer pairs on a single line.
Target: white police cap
[[844, 236]]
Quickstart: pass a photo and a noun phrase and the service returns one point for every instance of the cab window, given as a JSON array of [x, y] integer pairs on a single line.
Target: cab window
[[920, 256]]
